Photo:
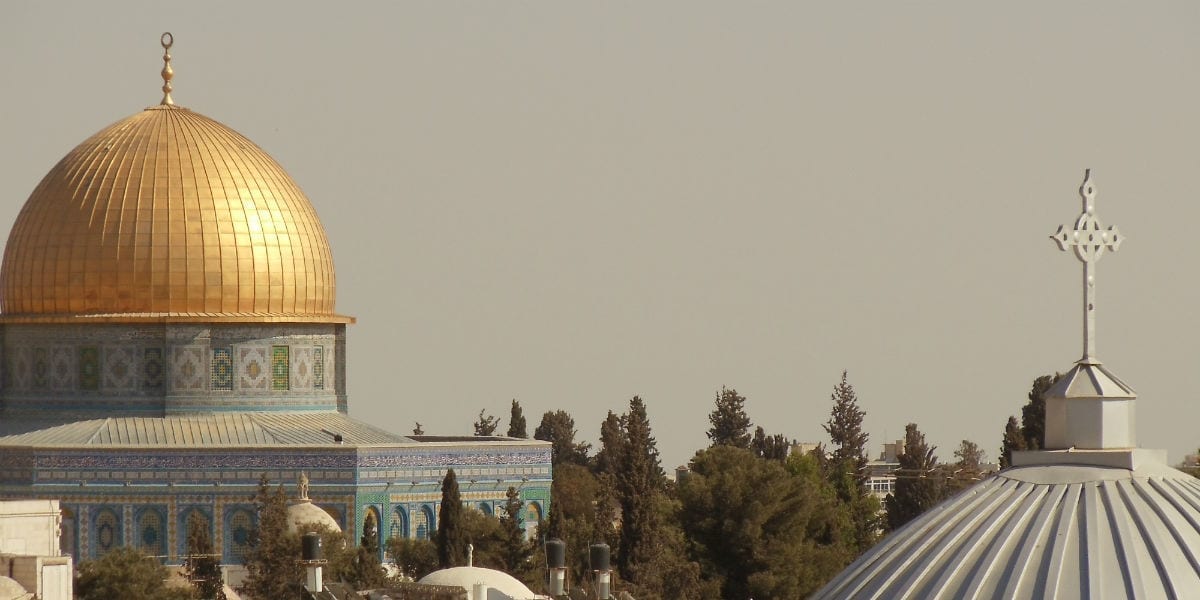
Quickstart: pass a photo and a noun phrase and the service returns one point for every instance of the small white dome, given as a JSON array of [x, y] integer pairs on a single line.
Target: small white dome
[[10, 589], [304, 512], [501, 585]]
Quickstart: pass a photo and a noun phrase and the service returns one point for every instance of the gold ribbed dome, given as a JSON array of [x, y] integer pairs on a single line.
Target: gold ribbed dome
[[167, 214]]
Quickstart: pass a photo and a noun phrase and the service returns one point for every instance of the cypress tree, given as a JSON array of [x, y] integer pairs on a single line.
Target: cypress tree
[[1013, 441], [639, 482], [451, 541], [730, 424], [516, 421], [845, 429], [201, 564], [271, 562]]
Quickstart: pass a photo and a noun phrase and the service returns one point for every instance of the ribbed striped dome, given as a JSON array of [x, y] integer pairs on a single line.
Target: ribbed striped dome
[[1044, 532], [167, 213]]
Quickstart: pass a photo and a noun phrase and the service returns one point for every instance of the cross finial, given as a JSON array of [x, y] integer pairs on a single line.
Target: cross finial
[[1089, 240]]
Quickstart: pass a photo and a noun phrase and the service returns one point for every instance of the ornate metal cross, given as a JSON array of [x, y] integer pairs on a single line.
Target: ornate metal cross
[[1089, 240]]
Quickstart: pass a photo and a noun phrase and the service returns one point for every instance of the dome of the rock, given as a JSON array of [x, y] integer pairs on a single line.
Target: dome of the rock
[[167, 214]]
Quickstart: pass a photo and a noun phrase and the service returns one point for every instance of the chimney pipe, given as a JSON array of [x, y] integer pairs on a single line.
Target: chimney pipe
[[310, 557], [599, 559], [556, 561]]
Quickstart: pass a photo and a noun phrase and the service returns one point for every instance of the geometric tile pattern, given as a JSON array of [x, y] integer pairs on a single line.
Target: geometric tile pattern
[[252, 368], [21, 368], [108, 531], [119, 369], [221, 368], [41, 368], [319, 367], [89, 368], [302, 368], [279, 368], [152, 368], [150, 536], [63, 368], [239, 526], [187, 368]]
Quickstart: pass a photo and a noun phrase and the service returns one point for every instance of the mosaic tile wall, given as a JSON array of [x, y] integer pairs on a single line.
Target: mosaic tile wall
[[135, 369], [131, 506]]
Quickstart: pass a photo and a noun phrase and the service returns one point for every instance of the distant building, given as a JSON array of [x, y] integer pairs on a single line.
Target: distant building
[[34, 565], [881, 472], [168, 335]]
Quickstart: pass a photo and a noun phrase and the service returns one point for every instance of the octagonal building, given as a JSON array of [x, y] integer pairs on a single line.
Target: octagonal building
[[168, 336]]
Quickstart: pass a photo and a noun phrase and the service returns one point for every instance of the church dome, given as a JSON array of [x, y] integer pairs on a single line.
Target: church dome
[[1043, 531], [167, 215]]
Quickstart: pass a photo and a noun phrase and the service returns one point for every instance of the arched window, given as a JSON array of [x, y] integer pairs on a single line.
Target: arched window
[[486, 508], [370, 526], [238, 528], [399, 525], [423, 523], [185, 527], [108, 534], [533, 516], [151, 536], [66, 533]]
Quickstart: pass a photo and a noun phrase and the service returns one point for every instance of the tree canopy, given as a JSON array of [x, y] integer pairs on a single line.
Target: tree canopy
[[516, 421], [730, 424], [918, 486], [271, 568], [558, 428], [451, 541], [201, 563], [762, 529], [125, 573], [486, 424]]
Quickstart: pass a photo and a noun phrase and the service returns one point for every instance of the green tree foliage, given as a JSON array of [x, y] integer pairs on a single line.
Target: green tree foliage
[[846, 469], [1033, 414], [763, 529], [558, 428], [359, 566], [124, 573], [516, 553], [612, 444], [577, 494], [201, 564], [415, 558], [451, 543], [638, 482], [845, 429], [918, 485], [730, 424], [771, 447], [516, 421], [486, 424], [1013, 442], [967, 469], [675, 575], [1031, 433], [271, 568]]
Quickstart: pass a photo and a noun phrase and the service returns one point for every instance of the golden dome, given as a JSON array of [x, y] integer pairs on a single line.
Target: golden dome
[[167, 215]]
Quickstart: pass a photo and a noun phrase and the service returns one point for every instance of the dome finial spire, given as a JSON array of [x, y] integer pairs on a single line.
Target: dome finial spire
[[167, 73]]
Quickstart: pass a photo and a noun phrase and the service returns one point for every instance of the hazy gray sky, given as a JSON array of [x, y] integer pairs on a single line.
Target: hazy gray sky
[[572, 203]]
